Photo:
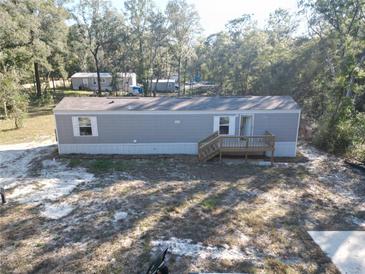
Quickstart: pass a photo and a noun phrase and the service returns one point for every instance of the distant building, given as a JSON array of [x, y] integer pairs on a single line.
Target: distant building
[[164, 85], [89, 80], [126, 80]]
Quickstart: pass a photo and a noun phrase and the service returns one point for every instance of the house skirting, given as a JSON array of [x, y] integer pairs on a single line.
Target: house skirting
[[130, 149], [282, 149]]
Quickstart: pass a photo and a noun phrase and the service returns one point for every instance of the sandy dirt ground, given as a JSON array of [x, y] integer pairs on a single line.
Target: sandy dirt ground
[[112, 215]]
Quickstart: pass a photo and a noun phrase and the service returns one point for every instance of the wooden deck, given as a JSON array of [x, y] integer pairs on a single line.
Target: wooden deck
[[216, 144]]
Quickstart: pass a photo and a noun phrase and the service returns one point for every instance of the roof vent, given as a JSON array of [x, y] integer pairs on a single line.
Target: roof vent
[[111, 102]]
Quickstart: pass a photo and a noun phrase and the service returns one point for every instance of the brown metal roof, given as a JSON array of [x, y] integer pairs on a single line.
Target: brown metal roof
[[177, 103]]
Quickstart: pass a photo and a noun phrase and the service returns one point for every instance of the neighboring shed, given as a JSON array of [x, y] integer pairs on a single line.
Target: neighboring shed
[[171, 125], [89, 80], [163, 85]]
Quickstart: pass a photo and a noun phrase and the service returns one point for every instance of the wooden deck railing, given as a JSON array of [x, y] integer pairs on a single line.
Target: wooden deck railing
[[217, 144]]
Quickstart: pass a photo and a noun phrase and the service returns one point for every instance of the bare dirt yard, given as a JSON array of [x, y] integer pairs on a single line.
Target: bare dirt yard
[[113, 214]]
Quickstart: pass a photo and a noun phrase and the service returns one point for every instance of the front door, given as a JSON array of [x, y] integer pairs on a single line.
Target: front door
[[246, 126]]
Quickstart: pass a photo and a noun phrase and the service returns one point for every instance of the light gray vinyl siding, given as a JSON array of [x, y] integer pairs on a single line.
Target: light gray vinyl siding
[[191, 128], [283, 125], [142, 128]]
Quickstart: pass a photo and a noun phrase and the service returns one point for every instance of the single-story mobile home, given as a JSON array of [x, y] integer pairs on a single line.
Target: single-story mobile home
[[164, 85], [173, 125], [89, 80]]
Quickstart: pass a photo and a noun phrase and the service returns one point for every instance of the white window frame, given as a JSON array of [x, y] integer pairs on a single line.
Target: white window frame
[[76, 126], [85, 82], [231, 125]]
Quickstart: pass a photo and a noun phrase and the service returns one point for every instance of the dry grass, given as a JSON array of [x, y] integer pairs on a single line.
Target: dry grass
[[262, 211], [38, 123]]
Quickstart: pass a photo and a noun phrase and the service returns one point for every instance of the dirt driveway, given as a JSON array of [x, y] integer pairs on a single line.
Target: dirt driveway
[[111, 215]]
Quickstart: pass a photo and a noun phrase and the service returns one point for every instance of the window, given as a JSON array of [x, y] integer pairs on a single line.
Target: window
[[85, 126], [224, 125]]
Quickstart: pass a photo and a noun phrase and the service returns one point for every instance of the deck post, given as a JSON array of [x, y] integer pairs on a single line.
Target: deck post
[[272, 157], [246, 157]]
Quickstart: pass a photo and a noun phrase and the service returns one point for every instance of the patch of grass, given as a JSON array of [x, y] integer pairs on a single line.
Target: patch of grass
[[100, 166], [35, 127], [302, 173], [210, 203], [74, 162], [39, 245], [39, 119], [77, 93], [277, 267], [253, 219]]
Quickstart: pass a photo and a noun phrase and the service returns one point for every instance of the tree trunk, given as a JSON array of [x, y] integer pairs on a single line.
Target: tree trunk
[[98, 75], [154, 89], [178, 75], [5, 111], [150, 86], [54, 88], [37, 79], [185, 65], [141, 66], [64, 85]]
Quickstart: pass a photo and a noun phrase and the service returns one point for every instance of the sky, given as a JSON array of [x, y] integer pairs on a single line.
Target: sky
[[214, 14]]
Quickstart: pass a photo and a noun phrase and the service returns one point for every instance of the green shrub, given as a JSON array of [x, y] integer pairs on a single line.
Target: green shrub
[[45, 99], [346, 137]]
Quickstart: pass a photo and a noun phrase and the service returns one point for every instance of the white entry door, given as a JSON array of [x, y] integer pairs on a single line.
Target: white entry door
[[246, 126]]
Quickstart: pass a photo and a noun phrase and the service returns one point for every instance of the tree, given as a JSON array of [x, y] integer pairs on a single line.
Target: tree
[[12, 100], [157, 41], [338, 25], [99, 27], [138, 13], [183, 26], [37, 27], [78, 56], [281, 26]]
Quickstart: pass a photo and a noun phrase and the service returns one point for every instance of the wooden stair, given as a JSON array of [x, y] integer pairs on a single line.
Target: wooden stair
[[216, 144], [209, 147]]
